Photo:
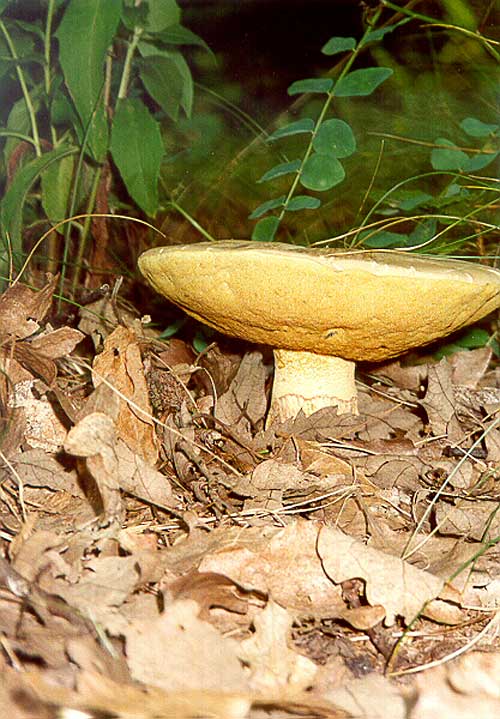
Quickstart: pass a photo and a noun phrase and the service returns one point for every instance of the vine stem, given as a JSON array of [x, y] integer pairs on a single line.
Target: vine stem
[[324, 110]]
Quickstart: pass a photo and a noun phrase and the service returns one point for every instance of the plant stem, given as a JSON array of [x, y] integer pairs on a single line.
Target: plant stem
[[192, 221], [47, 54], [127, 65], [24, 88], [486, 41], [85, 230], [324, 110], [52, 244]]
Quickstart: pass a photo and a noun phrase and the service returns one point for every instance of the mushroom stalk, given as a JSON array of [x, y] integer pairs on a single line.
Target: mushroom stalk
[[308, 382]]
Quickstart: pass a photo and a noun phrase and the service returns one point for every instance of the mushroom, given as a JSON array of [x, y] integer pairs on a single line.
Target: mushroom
[[319, 309]]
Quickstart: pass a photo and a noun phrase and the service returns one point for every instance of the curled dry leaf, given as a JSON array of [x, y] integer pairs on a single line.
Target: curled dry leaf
[[180, 651], [114, 466], [399, 587], [22, 309], [244, 404], [120, 364], [467, 688], [273, 664]]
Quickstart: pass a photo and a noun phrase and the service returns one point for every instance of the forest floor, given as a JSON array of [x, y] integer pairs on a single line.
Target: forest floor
[[166, 555]]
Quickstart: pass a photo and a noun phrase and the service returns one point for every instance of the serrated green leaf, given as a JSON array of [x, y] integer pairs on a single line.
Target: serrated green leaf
[[284, 168], [137, 149], [336, 138], [479, 161], [360, 83], [448, 157], [265, 229], [475, 128], [303, 202], [266, 206], [84, 34], [321, 172], [168, 80], [56, 188], [314, 84], [293, 128], [338, 44], [12, 205]]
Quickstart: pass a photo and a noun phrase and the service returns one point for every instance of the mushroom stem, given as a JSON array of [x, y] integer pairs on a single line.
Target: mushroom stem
[[307, 381]]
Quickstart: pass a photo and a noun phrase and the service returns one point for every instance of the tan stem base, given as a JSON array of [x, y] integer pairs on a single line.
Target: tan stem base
[[308, 382]]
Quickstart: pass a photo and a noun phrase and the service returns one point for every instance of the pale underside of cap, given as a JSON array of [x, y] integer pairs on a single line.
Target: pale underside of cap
[[355, 305]]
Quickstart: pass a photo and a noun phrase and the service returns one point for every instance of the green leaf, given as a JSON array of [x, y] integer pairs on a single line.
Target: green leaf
[[303, 202], [379, 33], [315, 84], [62, 112], [335, 137], [293, 128], [134, 15], [413, 199], [12, 205], [423, 232], [266, 206], [137, 149], [85, 33], [19, 121], [161, 14], [477, 162], [173, 328], [285, 168], [384, 240], [449, 157], [265, 229], [180, 35], [362, 82], [473, 338], [476, 128], [57, 182], [321, 172], [3, 5], [338, 44], [30, 28], [167, 78]]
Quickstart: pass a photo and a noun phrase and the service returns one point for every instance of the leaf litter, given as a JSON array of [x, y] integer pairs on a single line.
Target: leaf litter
[[166, 555]]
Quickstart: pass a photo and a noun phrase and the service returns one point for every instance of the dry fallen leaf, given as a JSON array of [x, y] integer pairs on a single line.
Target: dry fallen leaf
[[180, 651], [120, 364], [273, 664], [399, 587], [113, 466]]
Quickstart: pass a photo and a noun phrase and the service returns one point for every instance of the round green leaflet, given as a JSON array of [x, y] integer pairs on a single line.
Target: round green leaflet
[[336, 138], [321, 172]]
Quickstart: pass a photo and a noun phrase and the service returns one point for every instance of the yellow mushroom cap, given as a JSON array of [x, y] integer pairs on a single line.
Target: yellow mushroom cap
[[355, 305]]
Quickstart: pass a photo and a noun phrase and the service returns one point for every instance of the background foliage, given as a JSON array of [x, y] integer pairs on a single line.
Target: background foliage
[[217, 121]]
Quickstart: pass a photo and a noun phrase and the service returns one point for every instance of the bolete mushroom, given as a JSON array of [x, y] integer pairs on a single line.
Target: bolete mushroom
[[321, 310]]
